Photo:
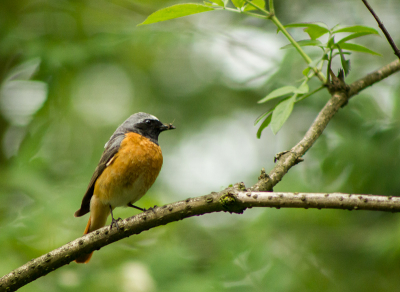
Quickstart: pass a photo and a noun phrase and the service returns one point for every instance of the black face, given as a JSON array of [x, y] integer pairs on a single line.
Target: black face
[[144, 124], [151, 128]]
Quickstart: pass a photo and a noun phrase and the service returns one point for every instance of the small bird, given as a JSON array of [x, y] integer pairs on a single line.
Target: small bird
[[128, 167]]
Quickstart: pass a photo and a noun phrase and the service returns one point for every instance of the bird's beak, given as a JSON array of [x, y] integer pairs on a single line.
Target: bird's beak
[[165, 127]]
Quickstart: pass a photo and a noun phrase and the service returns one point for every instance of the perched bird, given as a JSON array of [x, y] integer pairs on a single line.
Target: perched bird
[[128, 167]]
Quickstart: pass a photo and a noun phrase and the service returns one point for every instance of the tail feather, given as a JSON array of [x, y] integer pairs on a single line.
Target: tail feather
[[84, 259], [98, 218]]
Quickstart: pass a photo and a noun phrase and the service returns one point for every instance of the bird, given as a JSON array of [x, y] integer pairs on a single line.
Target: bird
[[128, 167]]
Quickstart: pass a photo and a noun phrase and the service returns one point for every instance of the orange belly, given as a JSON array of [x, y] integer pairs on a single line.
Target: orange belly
[[131, 173]]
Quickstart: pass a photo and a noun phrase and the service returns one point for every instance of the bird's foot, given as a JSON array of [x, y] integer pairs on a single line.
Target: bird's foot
[[114, 222], [152, 208]]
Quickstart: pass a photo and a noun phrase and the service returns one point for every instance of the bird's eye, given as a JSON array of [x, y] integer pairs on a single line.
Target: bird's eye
[[147, 122]]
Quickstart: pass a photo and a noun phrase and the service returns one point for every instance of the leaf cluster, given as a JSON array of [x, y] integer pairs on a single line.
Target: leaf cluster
[[280, 112]]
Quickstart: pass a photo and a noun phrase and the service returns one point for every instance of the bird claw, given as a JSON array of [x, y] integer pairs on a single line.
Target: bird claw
[[114, 222], [151, 208]]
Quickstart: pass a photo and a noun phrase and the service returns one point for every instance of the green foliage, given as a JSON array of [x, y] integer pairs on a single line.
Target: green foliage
[[259, 3], [315, 31], [176, 11], [282, 112], [278, 92]]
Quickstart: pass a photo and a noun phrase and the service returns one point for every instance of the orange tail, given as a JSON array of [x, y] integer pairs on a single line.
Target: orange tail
[[86, 257], [98, 218]]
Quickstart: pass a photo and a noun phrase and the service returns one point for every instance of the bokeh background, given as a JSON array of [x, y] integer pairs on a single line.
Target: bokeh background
[[72, 71]]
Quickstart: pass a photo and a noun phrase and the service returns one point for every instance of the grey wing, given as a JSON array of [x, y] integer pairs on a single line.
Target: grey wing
[[111, 148]]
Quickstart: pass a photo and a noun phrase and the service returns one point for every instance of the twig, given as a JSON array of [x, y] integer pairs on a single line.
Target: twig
[[384, 30]]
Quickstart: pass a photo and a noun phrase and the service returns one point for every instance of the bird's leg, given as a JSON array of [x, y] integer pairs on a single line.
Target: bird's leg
[[136, 207], [113, 221], [142, 209]]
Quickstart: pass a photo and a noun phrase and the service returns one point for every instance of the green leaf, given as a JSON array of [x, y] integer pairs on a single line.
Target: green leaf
[[259, 3], [176, 11], [357, 28], [353, 36], [238, 3], [325, 57], [345, 63], [314, 30], [304, 43], [302, 89], [218, 2], [282, 113], [308, 24], [260, 117], [278, 92], [264, 124], [331, 42], [357, 48], [306, 71]]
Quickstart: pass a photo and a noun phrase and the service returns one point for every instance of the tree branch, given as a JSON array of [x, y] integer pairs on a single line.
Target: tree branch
[[234, 200], [339, 99], [384, 30]]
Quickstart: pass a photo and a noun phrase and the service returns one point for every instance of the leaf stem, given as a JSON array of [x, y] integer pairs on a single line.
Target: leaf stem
[[275, 20], [310, 93], [267, 13], [308, 60], [244, 12], [271, 7]]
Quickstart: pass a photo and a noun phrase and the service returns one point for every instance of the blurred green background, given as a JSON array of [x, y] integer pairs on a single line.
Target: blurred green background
[[72, 71]]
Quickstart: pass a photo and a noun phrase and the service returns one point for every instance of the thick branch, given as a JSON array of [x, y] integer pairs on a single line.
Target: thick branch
[[338, 100], [233, 200]]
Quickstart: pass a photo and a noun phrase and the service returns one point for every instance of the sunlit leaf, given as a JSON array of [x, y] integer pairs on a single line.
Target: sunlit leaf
[[304, 43], [278, 92], [282, 113], [358, 48], [357, 28], [218, 2], [176, 11], [238, 3], [306, 71], [259, 3], [264, 124]]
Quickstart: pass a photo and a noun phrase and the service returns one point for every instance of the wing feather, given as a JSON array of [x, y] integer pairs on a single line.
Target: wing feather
[[111, 148]]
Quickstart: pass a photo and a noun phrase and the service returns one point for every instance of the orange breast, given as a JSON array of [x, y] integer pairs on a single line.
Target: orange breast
[[131, 173]]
